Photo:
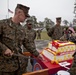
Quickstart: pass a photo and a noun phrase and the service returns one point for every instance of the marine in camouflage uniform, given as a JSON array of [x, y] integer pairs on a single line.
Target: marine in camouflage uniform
[[12, 36], [69, 35], [56, 31], [30, 35], [38, 34], [30, 32], [73, 67], [72, 38]]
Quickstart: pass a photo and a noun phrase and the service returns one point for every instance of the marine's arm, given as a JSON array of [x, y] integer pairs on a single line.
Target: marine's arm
[[30, 46], [32, 49], [50, 31], [34, 35], [3, 48]]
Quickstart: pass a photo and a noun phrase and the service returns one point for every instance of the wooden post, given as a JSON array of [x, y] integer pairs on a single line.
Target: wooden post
[[39, 72]]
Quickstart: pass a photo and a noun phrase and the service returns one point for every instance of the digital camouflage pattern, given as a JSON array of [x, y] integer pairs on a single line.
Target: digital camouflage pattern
[[12, 36], [73, 67], [55, 32], [69, 37], [38, 34], [30, 34]]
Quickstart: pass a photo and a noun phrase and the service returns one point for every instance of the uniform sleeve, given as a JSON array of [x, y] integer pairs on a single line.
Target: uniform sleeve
[[2, 46], [34, 34], [50, 31], [30, 46]]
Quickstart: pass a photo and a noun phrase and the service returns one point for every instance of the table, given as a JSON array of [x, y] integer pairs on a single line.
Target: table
[[52, 67]]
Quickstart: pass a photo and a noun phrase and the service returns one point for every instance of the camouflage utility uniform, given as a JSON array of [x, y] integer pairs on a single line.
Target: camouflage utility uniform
[[12, 36], [73, 67], [55, 32], [38, 34], [31, 35]]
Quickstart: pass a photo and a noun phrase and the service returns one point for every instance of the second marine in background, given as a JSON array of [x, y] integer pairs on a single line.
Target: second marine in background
[[56, 31]]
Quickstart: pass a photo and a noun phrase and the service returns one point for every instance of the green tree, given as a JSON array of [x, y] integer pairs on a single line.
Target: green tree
[[65, 22], [48, 23], [41, 24]]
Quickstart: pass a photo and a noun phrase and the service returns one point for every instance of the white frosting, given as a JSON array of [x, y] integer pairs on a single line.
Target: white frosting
[[63, 52], [58, 58]]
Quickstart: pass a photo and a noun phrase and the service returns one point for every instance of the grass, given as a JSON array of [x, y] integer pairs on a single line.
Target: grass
[[44, 36]]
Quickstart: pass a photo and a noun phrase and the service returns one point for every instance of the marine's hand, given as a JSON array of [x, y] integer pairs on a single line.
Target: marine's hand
[[8, 52], [40, 57]]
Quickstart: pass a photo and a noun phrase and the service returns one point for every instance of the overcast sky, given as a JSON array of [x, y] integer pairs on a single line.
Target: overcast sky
[[41, 8]]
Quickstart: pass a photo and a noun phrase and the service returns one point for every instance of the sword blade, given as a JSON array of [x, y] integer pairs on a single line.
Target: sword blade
[[20, 55]]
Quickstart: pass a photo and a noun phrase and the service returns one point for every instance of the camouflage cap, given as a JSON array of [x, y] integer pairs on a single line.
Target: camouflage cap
[[24, 8], [29, 21], [58, 18]]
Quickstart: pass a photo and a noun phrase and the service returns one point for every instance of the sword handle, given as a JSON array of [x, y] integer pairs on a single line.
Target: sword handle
[[27, 54]]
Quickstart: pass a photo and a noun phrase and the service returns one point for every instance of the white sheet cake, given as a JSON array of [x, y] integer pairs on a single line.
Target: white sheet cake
[[58, 51]]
